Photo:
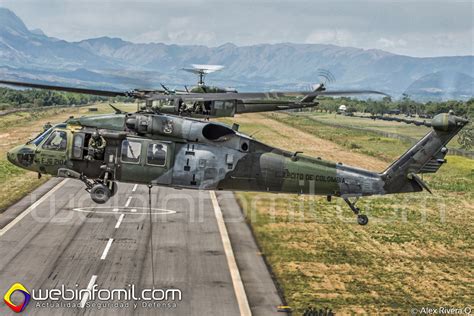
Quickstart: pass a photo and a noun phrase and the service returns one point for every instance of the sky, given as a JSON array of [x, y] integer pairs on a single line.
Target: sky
[[415, 28]]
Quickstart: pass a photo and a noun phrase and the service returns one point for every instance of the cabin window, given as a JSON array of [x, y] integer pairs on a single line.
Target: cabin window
[[156, 154], [219, 105], [229, 105], [56, 141], [131, 150], [78, 146]]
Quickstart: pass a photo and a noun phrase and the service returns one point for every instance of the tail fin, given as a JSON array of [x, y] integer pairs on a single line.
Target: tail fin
[[426, 156]]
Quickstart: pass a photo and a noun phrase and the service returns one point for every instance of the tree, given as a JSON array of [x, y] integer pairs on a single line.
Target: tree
[[466, 137]]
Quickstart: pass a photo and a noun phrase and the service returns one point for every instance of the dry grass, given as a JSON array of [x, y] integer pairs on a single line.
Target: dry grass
[[415, 252]]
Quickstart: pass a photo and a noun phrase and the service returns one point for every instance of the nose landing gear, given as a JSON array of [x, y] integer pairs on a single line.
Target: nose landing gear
[[361, 218]]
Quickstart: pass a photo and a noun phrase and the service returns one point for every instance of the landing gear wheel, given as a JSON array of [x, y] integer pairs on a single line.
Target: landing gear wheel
[[100, 193], [362, 219], [113, 188]]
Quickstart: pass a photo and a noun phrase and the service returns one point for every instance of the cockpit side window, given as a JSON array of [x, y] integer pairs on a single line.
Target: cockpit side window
[[38, 139], [56, 141]]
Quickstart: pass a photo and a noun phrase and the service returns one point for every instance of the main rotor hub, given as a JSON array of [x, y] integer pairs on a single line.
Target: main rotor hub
[[202, 71]]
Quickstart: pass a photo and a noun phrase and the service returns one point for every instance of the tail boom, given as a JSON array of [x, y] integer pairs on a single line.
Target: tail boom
[[426, 156]]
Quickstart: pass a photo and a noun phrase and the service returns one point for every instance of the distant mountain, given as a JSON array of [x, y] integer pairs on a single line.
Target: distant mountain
[[442, 85], [20, 47], [113, 62]]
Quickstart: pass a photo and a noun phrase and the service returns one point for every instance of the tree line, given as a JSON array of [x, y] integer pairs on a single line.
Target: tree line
[[410, 107], [10, 98], [405, 105]]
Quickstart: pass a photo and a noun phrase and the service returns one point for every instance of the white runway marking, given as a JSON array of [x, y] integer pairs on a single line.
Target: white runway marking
[[119, 221], [123, 210], [115, 210], [32, 207], [134, 187], [128, 201], [106, 250], [89, 287], [234, 270]]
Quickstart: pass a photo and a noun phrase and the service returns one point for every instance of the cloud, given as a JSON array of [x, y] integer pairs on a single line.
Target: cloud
[[421, 44], [176, 37], [391, 43], [335, 37], [412, 27], [179, 30]]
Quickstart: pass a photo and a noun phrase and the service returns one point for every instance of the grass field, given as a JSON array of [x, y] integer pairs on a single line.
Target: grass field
[[16, 129], [403, 129], [417, 250]]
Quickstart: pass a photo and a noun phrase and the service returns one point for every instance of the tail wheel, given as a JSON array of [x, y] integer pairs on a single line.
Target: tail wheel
[[100, 193], [362, 219]]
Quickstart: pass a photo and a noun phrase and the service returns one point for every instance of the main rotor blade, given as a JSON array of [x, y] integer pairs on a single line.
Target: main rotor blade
[[219, 96], [104, 93], [165, 88], [308, 95], [311, 96], [351, 92], [159, 95]]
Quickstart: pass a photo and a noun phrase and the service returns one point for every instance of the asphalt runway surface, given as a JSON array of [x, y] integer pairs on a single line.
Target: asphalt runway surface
[[205, 259]]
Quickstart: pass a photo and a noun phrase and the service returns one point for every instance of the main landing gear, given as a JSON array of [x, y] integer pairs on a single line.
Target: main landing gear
[[101, 193], [361, 218], [101, 190]]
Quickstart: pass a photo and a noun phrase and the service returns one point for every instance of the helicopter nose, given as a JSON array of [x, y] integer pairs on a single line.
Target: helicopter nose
[[22, 157], [11, 156]]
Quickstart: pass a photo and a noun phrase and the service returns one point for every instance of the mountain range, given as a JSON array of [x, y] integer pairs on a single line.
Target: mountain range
[[113, 63]]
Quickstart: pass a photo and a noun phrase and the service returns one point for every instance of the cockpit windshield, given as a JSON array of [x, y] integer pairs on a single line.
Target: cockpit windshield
[[38, 139]]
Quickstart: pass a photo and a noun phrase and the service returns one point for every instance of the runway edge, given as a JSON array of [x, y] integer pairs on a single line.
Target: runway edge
[[263, 292], [12, 211]]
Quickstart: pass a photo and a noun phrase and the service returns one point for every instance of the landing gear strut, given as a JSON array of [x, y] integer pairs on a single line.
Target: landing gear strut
[[113, 187], [361, 218], [100, 190]]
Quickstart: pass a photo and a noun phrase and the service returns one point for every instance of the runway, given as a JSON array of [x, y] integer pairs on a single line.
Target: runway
[[204, 256]]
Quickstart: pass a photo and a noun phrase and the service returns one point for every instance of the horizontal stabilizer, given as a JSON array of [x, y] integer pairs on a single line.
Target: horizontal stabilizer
[[435, 163], [420, 182]]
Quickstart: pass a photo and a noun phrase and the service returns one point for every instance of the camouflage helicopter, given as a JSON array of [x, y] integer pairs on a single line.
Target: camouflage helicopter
[[204, 101], [153, 148]]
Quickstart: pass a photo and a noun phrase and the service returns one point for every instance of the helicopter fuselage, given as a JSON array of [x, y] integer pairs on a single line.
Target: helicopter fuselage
[[179, 152], [186, 153]]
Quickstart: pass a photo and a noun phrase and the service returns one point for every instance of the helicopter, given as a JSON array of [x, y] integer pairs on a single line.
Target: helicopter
[[207, 101], [161, 149], [204, 101]]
